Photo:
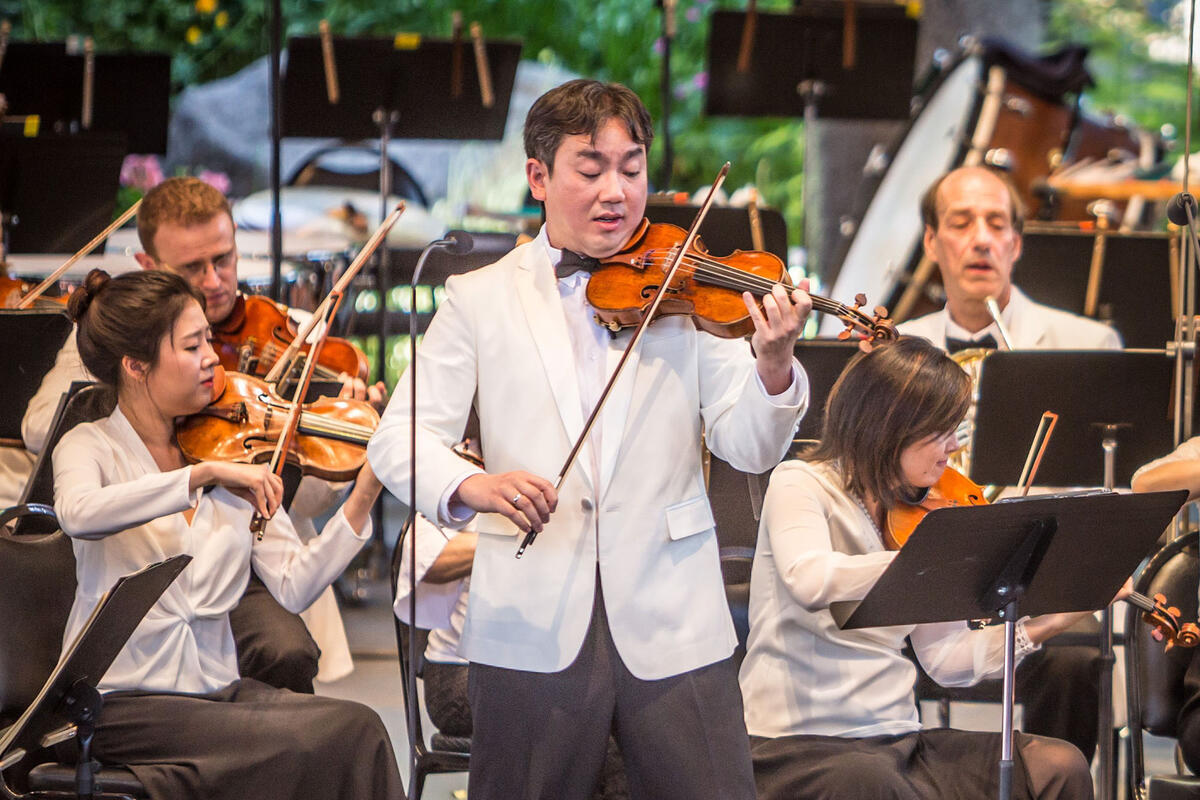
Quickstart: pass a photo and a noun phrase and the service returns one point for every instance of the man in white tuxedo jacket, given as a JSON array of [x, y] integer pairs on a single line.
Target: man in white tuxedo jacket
[[973, 220], [615, 619]]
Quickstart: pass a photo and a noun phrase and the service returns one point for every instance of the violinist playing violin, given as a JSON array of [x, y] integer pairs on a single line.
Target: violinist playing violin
[[186, 227], [175, 710], [831, 713], [615, 620]]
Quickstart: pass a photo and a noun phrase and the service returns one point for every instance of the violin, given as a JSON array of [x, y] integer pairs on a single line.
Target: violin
[[705, 287], [14, 290], [952, 489], [258, 330], [246, 418]]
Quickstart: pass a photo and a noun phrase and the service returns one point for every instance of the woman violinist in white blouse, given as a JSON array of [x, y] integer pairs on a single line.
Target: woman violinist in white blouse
[[175, 709], [831, 713]]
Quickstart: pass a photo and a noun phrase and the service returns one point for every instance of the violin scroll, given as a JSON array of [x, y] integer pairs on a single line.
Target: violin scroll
[[1165, 620]]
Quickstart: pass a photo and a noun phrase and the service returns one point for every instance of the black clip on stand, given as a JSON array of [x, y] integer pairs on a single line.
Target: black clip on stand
[[1038, 555], [1016, 387]]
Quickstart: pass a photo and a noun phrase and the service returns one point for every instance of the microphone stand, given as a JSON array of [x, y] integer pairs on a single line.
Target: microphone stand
[[1181, 210], [455, 243], [668, 36]]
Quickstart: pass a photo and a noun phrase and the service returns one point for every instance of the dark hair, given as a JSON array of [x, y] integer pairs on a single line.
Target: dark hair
[[929, 209], [178, 201], [582, 106], [126, 316], [898, 394]]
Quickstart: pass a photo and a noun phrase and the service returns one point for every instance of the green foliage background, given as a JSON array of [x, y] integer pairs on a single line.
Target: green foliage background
[[608, 39]]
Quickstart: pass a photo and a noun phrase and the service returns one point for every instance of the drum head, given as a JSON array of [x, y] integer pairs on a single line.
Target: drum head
[[889, 229]]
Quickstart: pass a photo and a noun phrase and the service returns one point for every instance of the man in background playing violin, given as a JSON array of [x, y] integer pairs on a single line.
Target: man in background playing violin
[[186, 227], [615, 620], [973, 221]]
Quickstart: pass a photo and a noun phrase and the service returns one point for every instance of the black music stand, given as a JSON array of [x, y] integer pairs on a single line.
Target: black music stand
[[1087, 389], [69, 694], [375, 73], [61, 188], [795, 67], [1037, 555], [41, 335], [823, 360], [1135, 275], [43, 79], [805, 47], [130, 91], [132, 95], [1096, 394]]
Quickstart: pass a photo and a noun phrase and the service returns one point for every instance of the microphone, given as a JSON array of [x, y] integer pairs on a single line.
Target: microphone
[[1179, 206], [456, 243]]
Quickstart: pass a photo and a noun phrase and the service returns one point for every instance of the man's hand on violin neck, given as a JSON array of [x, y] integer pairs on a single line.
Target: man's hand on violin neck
[[777, 325], [357, 389], [523, 497]]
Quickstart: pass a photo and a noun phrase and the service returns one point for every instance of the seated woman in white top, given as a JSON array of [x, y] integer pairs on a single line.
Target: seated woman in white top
[[175, 711], [831, 713]]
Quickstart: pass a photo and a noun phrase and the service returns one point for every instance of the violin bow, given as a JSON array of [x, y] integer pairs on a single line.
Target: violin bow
[[676, 261], [40, 289], [285, 358], [258, 523], [1037, 448]]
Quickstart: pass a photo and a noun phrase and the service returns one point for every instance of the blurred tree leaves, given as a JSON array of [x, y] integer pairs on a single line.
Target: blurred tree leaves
[[608, 39]]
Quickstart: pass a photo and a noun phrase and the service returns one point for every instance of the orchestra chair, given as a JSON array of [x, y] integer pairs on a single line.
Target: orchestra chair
[[82, 402], [444, 754], [1154, 676], [735, 570], [38, 576]]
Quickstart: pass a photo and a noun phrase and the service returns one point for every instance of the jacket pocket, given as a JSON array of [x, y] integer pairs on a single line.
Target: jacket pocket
[[689, 517]]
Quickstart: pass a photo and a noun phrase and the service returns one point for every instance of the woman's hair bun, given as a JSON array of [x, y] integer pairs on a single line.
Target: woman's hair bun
[[81, 298]]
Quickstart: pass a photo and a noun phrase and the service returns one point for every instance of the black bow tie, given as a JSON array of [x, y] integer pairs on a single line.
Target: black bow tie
[[954, 345], [571, 262]]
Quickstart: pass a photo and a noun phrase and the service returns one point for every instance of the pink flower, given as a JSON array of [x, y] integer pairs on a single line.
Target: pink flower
[[659, 46], [141, 172], [218, 180], [693, 14], [700, 81]]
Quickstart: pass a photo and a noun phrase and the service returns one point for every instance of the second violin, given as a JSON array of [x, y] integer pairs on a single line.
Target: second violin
[[257, 332]]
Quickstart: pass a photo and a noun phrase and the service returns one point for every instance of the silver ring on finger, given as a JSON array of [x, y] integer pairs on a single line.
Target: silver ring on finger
[[516, 498]]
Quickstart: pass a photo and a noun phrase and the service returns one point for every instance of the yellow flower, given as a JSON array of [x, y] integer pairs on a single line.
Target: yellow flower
[[193, 35], [221, 20], [206, 6]]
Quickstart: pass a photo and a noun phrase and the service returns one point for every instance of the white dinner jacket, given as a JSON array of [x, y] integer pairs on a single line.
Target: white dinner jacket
[[1033, 326], [499, 342]]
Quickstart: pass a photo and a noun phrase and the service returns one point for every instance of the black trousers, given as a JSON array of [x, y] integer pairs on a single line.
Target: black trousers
[[545, 735], [249, 740], [273, 644]]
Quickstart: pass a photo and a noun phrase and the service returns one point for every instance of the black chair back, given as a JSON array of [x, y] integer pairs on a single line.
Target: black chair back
[[37, 573], [1154, 675], [83, 402]]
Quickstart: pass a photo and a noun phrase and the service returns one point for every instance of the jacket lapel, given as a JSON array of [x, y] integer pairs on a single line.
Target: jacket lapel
[[616, 410], [544, 314], [1027, 327]]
